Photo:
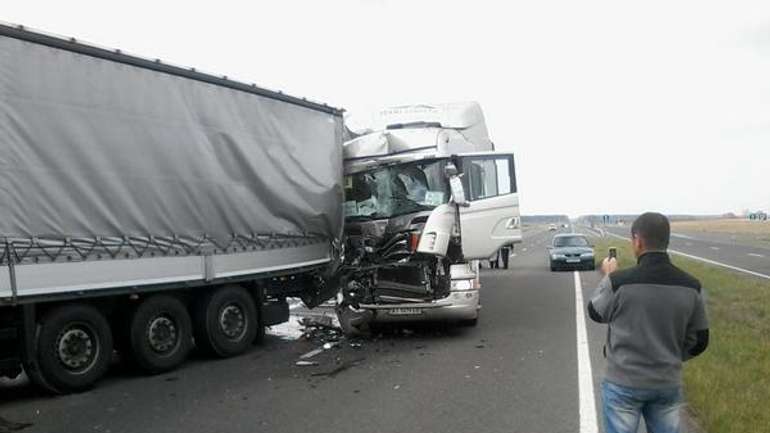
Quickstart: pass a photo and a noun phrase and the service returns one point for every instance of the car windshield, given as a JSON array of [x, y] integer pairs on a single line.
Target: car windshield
[[395, 190], [570, 241]]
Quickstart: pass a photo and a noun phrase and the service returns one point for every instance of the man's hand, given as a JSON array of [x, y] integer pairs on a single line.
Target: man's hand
[[609, 265]]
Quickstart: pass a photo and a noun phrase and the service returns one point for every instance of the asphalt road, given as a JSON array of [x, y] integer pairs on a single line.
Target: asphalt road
[[715, 247], [515, 372]]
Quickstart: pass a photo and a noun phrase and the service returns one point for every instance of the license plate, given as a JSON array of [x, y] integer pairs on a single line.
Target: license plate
[[405, 311], [573, 260]]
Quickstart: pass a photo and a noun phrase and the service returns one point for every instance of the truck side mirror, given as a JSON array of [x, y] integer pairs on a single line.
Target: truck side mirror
[[458, 192]]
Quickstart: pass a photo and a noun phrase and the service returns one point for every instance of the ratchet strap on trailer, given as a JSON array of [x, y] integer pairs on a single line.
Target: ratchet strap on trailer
[[11, 271]]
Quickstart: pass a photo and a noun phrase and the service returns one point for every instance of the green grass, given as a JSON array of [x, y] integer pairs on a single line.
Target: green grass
[[728, 386]]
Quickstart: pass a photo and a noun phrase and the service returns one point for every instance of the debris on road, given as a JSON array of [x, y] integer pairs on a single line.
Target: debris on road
[[339, 368], [7, 426], [328, 346], [312, 353], [303, 325], [321, 328]]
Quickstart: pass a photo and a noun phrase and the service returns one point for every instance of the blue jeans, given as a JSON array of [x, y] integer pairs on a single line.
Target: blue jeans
[[623, 406]]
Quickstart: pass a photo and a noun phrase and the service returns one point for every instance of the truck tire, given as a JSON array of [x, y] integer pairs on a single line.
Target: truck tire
[[225, 321], [74, 348], [159, 334]]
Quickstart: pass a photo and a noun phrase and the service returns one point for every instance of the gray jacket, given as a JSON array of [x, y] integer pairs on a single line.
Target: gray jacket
[[656, 320]]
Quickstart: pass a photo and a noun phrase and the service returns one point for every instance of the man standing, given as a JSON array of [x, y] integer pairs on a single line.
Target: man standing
[[656, 320]]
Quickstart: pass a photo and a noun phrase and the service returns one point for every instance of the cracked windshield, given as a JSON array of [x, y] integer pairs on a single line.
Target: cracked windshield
[[395, 190]]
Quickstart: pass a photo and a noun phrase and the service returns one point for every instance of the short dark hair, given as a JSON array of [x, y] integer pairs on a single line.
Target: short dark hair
[[654, 228]]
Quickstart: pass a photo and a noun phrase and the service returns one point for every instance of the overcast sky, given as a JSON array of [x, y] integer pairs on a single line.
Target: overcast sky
[[609, 106]]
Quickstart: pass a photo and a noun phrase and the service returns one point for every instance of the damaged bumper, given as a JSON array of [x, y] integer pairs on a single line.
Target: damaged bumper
[[461, 304]]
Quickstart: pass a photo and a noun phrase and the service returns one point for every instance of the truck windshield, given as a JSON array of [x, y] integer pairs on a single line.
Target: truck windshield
[[395, 190]]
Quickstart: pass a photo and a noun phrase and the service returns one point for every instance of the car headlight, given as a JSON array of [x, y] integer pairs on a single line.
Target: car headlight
[[557, 256], [587, 255]]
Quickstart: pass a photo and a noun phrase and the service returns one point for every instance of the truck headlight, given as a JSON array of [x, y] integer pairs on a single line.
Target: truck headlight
[[462, 284], [430, 240]]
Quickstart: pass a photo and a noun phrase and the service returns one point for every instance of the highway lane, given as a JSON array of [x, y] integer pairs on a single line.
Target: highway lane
[[515, 372], [745, 239], [752, 258]]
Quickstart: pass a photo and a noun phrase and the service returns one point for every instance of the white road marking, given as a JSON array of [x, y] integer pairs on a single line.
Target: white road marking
[[596, 232], [715, 248], [677, 235], [587, 408], [756, 255], [711, 262]]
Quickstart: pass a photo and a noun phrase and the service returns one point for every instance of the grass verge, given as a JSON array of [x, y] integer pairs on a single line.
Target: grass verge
[[729, 226], [727, 387], [754, 233]]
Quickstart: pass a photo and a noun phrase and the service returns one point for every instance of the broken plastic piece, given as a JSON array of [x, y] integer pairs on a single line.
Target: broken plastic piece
[[312, 353]]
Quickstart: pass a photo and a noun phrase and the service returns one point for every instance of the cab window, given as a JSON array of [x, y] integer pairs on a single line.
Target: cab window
[[488, 176]]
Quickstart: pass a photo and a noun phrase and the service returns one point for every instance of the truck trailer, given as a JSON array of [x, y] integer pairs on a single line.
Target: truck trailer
[[146, 208]]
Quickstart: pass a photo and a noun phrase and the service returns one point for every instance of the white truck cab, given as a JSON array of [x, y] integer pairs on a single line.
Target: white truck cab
[[426, 197]]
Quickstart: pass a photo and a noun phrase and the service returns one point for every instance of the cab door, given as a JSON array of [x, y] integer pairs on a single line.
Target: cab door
[[490, 217]]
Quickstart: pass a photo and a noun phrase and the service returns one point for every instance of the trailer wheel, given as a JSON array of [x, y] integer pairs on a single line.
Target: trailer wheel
[[226, 321], [74, 348], [160, 334]]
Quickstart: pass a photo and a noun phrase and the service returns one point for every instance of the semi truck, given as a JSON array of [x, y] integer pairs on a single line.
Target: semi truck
[[146, 208], [426, 197]]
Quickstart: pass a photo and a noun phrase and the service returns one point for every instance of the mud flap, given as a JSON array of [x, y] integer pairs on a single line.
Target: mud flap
[[274, 311]]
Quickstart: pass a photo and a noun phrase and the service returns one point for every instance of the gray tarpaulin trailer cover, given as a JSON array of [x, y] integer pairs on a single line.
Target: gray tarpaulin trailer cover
[[107, 159]]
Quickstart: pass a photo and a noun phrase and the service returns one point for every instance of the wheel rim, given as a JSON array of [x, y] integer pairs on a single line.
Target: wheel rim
[[232, 321], [77, 347], [162, 334]]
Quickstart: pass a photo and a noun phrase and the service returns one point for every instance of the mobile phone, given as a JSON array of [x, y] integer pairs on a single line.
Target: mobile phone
[[613, 253]]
